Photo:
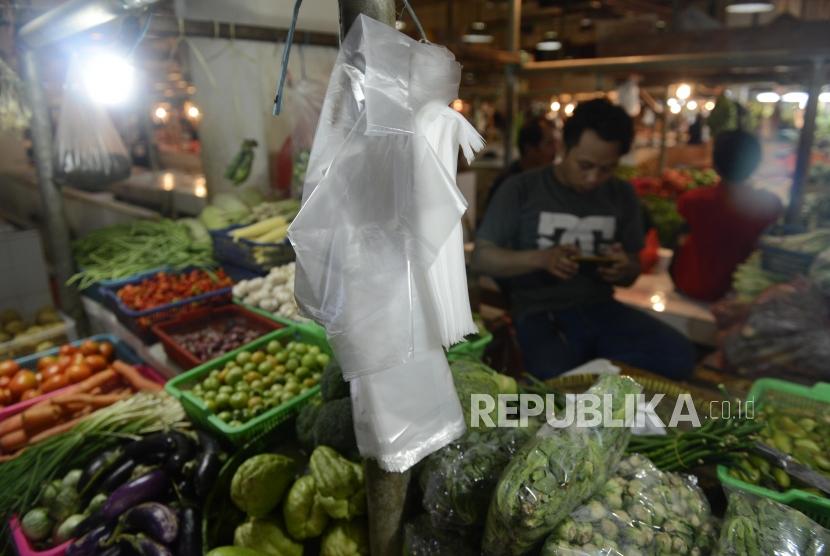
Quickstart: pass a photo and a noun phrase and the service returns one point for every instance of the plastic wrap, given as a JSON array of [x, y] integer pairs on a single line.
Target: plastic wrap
[[758, 526], [305, 102], [554, 472], [379, 206], [458, 480], [785, 332], [640, 511], [88, 149]]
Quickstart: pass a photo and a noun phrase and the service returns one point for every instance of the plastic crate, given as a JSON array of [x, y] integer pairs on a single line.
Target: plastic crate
[[26, 344], [309, 326], [122, 351], [179, 386], [471, 348], [204, 318], [241, 253], [767, 389], [785, 263], [140, 322], [24, 548]]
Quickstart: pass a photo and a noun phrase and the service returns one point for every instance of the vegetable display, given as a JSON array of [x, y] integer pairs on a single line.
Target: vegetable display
[[71, 365], [273, 293], [28, 337], [553, 473], [217, 338], [639, 511], [255, 381], [164, 288], [800, 431], [128, 249], [757, 526]]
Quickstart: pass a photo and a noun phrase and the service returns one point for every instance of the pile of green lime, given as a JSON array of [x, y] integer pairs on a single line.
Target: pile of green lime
[[256, 381]]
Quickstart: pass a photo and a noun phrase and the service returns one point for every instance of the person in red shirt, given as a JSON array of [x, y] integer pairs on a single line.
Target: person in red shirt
[[724, 222]]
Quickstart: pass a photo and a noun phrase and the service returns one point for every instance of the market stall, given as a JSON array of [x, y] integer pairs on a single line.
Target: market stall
[[281, 357]]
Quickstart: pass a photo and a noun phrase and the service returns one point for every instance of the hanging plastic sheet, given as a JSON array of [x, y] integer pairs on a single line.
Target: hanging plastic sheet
[[380, 206]]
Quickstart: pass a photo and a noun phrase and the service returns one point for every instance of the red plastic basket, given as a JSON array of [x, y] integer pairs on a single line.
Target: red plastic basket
[[24, 548], [203, 318]]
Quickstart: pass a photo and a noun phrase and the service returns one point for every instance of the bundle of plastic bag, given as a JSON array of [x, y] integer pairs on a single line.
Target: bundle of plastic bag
[[640, 511], [88, 149], [755, 525], [785, 332], [556, 471], [380, 204]]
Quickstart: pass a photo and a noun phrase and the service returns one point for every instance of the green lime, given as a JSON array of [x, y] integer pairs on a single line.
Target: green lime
[[267, 381], [290, 345], [256, 385], [265, 367], [316, 376], [239, 400], [291, 365], [301, 349], [314, 350], [258, 357], [309, 382], [211, 383], [210, 395], [243, 357], [323, 360], [222, 400], [282, 357], [254, 402], [273, 347], [226, 389], [234, 376], [225, 416], [308, 360], [243, 386], [249, 367], [286, 396], [210, 405], [302, 373], [235, 424], [214, 373]]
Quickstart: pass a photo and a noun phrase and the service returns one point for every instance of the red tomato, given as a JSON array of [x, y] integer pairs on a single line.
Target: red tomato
[[67, 349], [9, 367], [96, 362], [29, 394], [51, 370], [64, 361], [89, 347], [46, 362], [5, 397], [77, 373], [78, 358], [22, 381], [106, 350], [4, 381], [55, 383]]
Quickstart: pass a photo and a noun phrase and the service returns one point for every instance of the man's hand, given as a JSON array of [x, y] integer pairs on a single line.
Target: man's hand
[[621, 269], [559, 261]]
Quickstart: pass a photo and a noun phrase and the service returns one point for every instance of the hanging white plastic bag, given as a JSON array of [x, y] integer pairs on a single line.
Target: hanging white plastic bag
[[379, 205], [88, 149]]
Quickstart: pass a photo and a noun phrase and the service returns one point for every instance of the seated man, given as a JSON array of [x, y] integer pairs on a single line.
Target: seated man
[[541, 231], [724, 222]]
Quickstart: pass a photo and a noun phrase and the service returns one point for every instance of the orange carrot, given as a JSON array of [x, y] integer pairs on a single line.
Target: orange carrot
[[95, 381], [13, 423], [134, 378], [40, 417], [13, 441], [58, 429], [95, 401]]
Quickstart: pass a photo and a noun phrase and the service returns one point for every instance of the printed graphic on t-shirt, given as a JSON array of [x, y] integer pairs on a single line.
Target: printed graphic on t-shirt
[[558, 228]]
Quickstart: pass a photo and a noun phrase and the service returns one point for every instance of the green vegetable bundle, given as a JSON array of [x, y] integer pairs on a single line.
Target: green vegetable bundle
[[128, 249], [758, 526], [554, 472], [471, 376], [640, 511], [458, 480]]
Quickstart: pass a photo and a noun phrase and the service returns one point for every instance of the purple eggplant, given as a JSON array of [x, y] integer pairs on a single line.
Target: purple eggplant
[[145, 546], [156, 520], [190, 533], [88, 545], [208, 464], [151, 486], [183, 451], [151, 447], [118, 476]]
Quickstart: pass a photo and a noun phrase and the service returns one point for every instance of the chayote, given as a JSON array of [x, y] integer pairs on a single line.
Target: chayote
[[304, 515]]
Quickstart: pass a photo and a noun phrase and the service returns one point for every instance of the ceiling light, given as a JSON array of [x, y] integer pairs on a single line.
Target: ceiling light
[[824, 97], [675, 108], [548, 46], [477, 34], [555, 106], [569, 109], [160, 113], [691, 105], [796, 97], [108, 78], [168, 181], [684, 91], [200, 187], [768, 97], [749, 7], [673, 102], [710, 105]]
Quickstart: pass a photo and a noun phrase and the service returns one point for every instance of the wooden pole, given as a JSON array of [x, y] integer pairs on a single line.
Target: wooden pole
[[511, 80]]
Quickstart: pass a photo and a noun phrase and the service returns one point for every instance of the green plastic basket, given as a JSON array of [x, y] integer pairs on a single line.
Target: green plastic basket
[[470, 348], [179, 388], [766, 389], [308, 326]]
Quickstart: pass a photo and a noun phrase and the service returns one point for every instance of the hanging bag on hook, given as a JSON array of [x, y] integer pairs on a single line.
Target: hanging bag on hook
[[89, 152]]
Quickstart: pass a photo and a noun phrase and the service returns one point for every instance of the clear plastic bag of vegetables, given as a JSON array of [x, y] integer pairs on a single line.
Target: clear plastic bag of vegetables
[[757, 526], [458, 480], [640, 511], [556, 471], [88, 149]]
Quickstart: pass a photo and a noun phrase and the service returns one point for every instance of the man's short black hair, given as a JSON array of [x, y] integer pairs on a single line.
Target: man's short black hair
[[736, 155], [530, 135], [608, 121]]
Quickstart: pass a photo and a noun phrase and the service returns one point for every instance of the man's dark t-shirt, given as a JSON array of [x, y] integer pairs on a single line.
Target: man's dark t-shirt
[[534, 211]]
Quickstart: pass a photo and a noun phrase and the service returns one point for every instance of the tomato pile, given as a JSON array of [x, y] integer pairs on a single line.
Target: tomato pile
[[72, 364], [164, 288]]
